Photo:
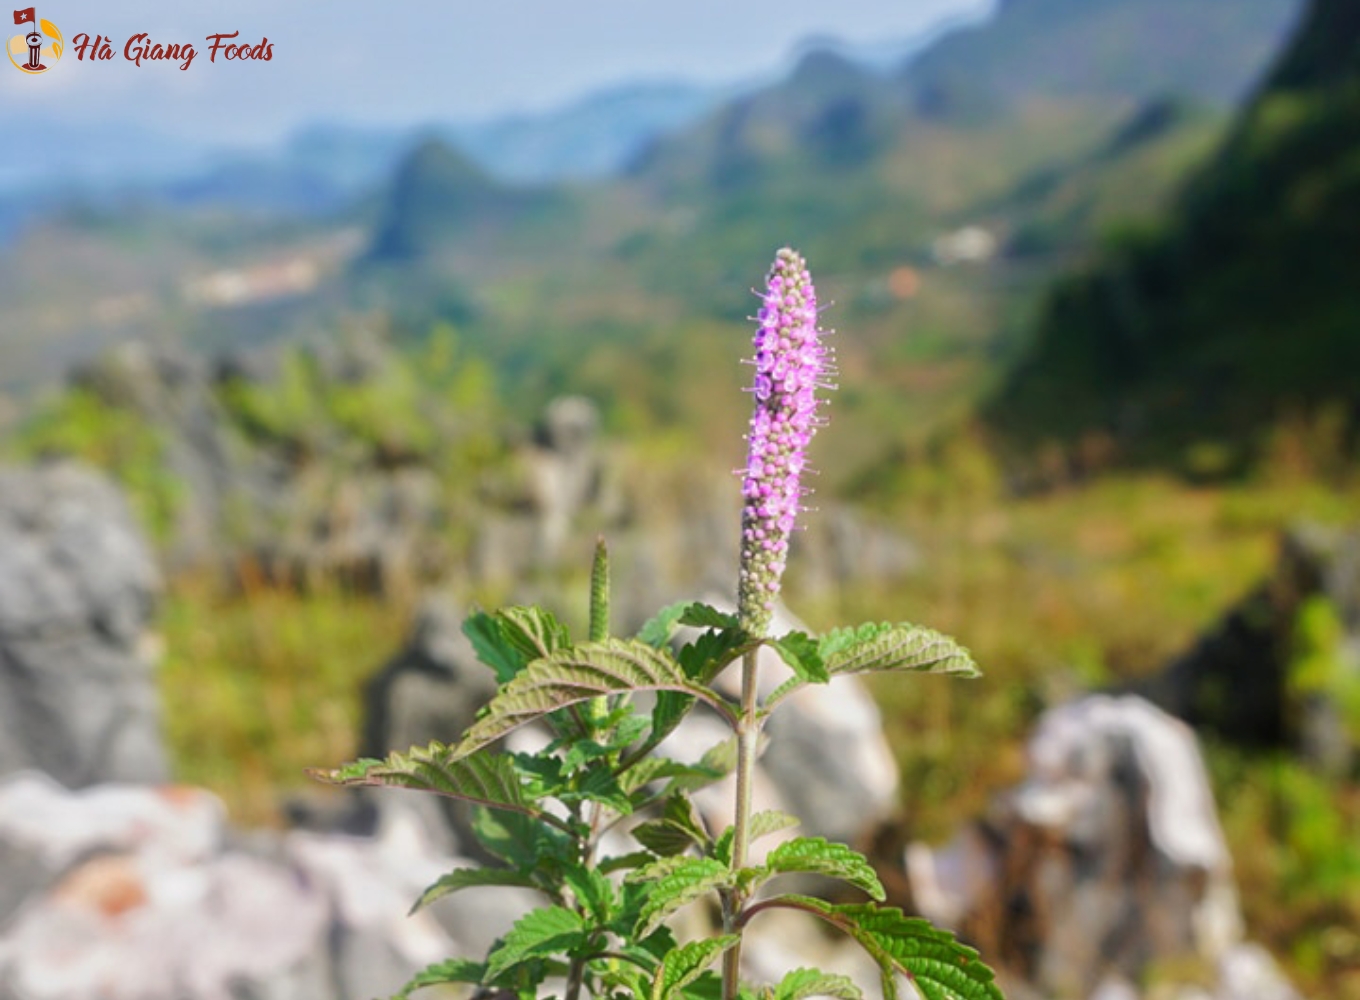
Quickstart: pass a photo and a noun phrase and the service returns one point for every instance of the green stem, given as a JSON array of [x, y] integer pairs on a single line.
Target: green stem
[[748, 739], [575, 976]]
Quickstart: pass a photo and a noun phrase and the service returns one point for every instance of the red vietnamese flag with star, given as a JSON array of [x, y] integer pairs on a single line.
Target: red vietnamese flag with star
[[28, 15]]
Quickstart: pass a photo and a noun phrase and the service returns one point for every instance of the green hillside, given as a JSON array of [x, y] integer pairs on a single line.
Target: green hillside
[[603, 288], [1244, 308]]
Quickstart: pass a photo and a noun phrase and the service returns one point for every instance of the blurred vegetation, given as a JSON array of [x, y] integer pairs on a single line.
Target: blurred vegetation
[[79, 423], [1297, 859], [259, 683]]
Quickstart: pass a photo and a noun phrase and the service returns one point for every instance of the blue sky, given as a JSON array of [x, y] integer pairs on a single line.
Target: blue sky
[[400, 63]]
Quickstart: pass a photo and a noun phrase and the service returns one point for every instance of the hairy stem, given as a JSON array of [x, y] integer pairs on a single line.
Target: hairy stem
[[597, 708], [748, 739]]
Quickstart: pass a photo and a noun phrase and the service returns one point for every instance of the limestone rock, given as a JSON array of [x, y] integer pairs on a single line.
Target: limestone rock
[[140, 893], [77, 590], [1108, 858]]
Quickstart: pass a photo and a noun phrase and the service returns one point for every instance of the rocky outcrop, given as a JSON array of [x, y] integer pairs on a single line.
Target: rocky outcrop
[[1247, 678], [1107, 864], [267, 462], [141, 893], [77, 591]]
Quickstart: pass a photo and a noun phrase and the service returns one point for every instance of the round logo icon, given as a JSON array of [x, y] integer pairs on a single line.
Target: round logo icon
[[38, 50]]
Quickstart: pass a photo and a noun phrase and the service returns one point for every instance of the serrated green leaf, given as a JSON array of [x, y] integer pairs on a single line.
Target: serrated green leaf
[[535, 633], [938, 965], [454, 970], [769, 821], [708, 655], [583, 751], [803, 983], [628, 730], [678, 829], [541, 933], [819, 856], [485, 778], [680, 811], [521, 840], [541, 774], [701, 615], [762, 824], [633, 897], [661, 626], [625, 979], [669, 711], [471, 878], [586, 671], [800, 651], [599, 785], [492, 647], [662, 838], [708, 986], [658, 869], [592, 890], [838, 640], [686, 963], [682, 884], [652, 769], [895, 647], [784, 690]]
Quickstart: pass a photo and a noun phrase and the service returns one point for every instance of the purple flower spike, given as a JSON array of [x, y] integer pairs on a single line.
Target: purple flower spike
[[791, 364]]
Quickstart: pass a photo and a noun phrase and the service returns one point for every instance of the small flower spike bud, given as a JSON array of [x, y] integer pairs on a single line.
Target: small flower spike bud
[[791, 364]]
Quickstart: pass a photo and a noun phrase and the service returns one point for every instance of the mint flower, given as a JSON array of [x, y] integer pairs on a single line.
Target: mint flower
[[791, 364]]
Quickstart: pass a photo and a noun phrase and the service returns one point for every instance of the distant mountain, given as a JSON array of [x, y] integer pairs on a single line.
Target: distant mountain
[[890, 55], [1207, 50], [438, 196], [1032, 54], [589, 138], [830, 111], [1246, 305]]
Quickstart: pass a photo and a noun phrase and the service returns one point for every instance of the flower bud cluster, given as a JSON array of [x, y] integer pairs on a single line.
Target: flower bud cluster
[[791, 364]]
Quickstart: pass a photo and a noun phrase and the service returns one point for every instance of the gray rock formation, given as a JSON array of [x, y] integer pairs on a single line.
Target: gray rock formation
[[77, 590], [170, 390], [561, 481], [276, 479], [1108, 860], [144, 894]]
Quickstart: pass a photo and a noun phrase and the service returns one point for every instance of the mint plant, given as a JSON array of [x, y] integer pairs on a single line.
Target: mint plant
[[603, 927]]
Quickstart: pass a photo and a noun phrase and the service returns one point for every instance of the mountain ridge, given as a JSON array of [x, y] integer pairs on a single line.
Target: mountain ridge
[[1242, 309]]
